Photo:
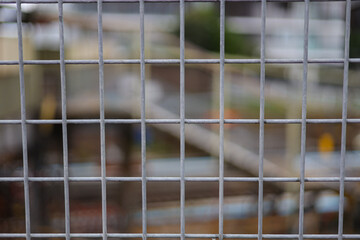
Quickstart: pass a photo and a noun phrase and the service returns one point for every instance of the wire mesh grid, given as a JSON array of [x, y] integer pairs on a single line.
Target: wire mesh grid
[[182, 121]]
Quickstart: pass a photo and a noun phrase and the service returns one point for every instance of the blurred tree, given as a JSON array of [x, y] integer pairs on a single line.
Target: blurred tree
[[202, 27], [355, 34]]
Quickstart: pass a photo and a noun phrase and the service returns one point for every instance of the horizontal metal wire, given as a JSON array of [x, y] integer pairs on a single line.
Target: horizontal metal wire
[[177, 121], [177, 179], [160, 1], [177, 61], [170, 235]]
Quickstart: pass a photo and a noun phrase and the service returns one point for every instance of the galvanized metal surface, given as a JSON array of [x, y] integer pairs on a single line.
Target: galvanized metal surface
[[183, 122]]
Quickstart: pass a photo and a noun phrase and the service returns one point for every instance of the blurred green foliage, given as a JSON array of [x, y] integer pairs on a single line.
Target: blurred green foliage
[[202, 27], [355, 43]]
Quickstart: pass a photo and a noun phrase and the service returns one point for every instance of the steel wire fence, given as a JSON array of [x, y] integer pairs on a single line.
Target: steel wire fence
[[182, 121]]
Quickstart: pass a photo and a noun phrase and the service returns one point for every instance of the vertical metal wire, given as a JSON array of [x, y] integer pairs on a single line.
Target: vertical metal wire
[[262, 116], [221, 146], [102, 121], [344, 118], [303, 120], [143, 121], [182, 119], [23, 120], [64, 121]]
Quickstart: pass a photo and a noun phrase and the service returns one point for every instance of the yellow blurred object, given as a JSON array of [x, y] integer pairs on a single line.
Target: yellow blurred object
[[326, 143], [47, 111]]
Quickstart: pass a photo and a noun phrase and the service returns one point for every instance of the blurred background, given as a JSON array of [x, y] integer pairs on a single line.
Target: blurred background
[[283, 86]]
